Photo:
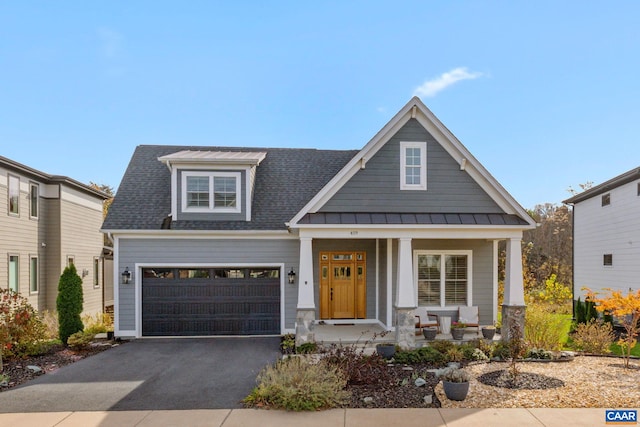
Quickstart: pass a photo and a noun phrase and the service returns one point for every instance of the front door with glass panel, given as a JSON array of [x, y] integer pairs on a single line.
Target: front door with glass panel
[[342, 285]]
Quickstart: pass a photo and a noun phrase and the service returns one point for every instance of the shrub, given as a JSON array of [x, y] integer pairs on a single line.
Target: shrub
[[454, 354], [22, 332], [538, 353], [288, 344], [501, 351], [69, 303], [80, 340], [357, 367], [585, 311], [296, 385], [98, 323], [442, 346], [453, 375], [543, 329], [419, 355], [306, 348], [594, 337]]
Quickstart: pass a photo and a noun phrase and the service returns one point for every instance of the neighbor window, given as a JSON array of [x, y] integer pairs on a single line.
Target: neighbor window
[[211, 191], [33, 200], [444, 278], [607, 259], [96, 272], [413, 165], [14, 195], [606, 199], [70, 260], [33, 274], [13, 272], [639, 189]]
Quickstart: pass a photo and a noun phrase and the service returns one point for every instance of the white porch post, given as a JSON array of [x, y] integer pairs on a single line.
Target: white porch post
[[406, 300], [306, 308], [513, 306]]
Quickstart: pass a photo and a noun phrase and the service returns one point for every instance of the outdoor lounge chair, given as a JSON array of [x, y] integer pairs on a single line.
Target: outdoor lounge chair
[[424, 319], [469, 316]]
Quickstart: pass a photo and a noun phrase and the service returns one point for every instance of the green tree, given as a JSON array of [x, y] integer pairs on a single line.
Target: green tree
[[69, 303]]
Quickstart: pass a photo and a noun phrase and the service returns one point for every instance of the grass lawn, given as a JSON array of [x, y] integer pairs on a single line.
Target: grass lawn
[[615, 349]]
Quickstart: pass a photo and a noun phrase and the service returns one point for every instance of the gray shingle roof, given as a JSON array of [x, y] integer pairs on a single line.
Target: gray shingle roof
[[285, 181]]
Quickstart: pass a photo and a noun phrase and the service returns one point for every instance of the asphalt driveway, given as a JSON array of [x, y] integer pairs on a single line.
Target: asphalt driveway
[[151, 374]]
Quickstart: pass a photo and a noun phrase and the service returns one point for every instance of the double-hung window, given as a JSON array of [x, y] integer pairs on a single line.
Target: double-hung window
[[33, 274], [413, 165], [211, 192], [444, 278], [14, 268]]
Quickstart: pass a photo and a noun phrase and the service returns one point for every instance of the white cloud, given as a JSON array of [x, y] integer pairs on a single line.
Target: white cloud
[[111, 42], [431, 87]]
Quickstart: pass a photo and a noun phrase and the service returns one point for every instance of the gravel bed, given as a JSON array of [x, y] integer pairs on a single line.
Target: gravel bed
[[589, 382]]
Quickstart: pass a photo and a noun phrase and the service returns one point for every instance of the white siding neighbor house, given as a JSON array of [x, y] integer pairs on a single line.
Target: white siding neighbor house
[[46, 222], [606, 235], [248, 241]]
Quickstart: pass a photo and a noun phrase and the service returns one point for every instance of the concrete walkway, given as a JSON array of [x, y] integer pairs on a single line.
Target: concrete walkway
[[517, 417]]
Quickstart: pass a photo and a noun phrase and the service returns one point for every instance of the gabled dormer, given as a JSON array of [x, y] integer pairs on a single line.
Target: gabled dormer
[[212, 185]]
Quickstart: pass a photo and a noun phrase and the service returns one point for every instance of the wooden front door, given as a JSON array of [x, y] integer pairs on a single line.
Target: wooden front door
[[342, 285]]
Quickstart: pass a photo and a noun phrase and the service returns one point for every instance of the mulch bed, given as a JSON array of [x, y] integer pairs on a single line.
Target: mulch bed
[[522, 381], [399, 392], [57, 357]]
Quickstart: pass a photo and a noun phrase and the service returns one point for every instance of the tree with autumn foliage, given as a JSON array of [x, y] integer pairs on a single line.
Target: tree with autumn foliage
[[626, 308]]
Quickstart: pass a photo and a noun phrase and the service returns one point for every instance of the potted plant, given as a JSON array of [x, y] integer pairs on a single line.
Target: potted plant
[[457, 330], [429, 333], [455, 382], [488, 332], [386, 350]]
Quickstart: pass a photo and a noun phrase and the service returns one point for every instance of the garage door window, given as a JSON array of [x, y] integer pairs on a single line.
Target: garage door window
[[193, 274], [158, 273]]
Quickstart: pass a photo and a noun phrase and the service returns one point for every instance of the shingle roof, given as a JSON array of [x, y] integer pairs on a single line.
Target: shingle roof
[[411, 218], [285, 181]]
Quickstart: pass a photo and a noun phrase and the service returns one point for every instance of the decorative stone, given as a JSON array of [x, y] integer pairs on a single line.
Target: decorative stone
[[305, 324], [454, 365], [368, 399], [405, 328], [35, 369], [407, 368], [428, 399], [420, 382]]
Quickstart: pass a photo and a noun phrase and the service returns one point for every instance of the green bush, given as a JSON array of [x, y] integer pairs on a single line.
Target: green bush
[[595, 337], [442, 346], [501, 351], [80, 340], [297, 385], [306, 348], [538, 353], [585, 311], [99, 323], [419, 355], [69, 303], [543, 329], [22, 332]]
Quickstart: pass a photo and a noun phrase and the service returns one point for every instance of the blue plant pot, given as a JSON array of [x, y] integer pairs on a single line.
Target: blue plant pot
[[455, 391]]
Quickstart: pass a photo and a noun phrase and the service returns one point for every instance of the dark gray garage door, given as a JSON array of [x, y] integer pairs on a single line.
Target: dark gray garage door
[[210, 301]]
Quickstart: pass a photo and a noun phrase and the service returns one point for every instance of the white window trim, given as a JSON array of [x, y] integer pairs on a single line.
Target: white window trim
[[37, 187], [96, 272], [9, 256], [31, 258], [211, 208], [443, 253], [423, 165]]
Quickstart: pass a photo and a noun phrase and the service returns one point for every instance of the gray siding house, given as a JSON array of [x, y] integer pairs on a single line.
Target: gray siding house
[[47, 222], [243, 241], [606, 232]]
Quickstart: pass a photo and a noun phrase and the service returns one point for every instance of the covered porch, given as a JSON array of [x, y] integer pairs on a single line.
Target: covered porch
[[397, 277]]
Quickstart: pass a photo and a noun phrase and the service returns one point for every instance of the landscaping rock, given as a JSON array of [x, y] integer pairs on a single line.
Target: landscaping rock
[[428, 399], [35, 369], [420, 382], [368, 399]]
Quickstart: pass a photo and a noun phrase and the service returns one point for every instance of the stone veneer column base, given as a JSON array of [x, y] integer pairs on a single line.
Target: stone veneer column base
[[305, 324], [405, 328], [512, 317]]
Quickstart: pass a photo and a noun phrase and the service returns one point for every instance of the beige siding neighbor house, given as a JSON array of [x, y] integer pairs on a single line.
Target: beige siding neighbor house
[[47, 222]]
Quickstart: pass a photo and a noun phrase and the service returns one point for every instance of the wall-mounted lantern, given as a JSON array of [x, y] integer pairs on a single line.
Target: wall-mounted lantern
[[292, 277], [126, 276]]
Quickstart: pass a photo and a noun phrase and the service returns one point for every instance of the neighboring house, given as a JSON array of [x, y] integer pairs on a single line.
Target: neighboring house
[[606, 236], [227, 241], [47, 222]]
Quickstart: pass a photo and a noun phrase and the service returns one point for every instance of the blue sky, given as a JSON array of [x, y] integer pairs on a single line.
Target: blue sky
[[545, 94]]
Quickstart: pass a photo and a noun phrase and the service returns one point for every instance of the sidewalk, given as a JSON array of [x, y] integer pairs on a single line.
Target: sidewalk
[[517, 417]]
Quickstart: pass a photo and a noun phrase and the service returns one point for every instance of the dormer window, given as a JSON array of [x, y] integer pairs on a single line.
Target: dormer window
[[413, 165], [211, 192]]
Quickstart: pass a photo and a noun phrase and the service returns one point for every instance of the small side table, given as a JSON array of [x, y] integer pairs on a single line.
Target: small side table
[[445, 324]]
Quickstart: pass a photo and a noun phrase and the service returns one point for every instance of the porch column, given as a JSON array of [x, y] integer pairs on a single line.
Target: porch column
[[306, 308], [405, 296], [513, 307]]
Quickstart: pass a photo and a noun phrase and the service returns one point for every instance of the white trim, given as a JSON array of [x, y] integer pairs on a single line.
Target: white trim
[[389, 282], [138, 283], [422, 146], [495, 281], [116, 288], [174, 194], [37, 186], [201, 234], [185, 175], [448, 141], [247, 194], [443, 253], [32, 257], [377, 279], [462, 233]]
